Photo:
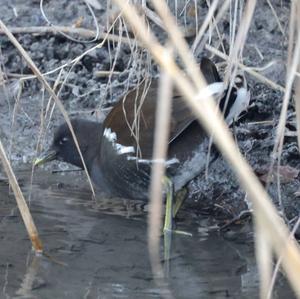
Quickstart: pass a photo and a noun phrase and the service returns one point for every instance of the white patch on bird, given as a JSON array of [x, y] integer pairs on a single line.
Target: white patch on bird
[[120, 149], [241, 103], [111, 136], [210, 90], [151, 161]]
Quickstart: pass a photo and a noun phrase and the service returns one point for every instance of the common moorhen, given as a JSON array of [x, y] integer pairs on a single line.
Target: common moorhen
[[118, 153]]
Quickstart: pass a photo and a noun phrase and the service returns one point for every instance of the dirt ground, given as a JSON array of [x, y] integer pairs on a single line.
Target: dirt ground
[[25, 110]]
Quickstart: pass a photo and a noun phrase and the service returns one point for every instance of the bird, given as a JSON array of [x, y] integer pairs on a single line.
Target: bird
[[118, 152]]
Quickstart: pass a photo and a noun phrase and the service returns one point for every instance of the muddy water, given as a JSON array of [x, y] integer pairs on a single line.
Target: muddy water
[[100, 251]]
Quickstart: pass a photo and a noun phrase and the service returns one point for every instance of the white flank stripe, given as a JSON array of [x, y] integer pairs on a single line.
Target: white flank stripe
[[111, 136], [120, 149], [146, 161]]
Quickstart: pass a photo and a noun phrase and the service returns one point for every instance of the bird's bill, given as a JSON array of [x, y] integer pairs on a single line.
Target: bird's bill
[[45, 157]]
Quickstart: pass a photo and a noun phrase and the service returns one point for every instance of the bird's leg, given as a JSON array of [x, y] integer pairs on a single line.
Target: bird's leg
[[168, 224], [169, 187], [170, 213], [180, 198], [171, 209]]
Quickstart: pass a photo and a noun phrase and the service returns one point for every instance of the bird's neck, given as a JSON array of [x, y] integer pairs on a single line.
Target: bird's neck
[[92, 153]]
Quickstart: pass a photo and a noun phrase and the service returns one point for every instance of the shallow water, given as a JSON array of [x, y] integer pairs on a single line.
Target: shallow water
[[100, 251]]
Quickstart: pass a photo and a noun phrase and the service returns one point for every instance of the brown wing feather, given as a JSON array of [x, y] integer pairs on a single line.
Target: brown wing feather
[[133, 118], [140, 123]]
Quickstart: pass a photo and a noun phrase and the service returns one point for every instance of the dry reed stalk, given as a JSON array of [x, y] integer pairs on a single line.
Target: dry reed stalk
[[176, 37], [103, 74], [277, 267], [295, 8], [291, 73], [236, 49], [276, 17], [163, 113], [275, 231], [263, 253], [297, 105], [22, 205], [292, 65]]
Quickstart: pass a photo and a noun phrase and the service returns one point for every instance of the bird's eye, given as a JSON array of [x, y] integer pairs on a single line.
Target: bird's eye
[[63, 140], [239, 81]]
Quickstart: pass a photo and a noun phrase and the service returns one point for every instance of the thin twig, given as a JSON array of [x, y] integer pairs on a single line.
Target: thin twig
[[87, 33]]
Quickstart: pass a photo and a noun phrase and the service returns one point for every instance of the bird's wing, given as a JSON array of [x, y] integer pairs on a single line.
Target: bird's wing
[[133, 117]]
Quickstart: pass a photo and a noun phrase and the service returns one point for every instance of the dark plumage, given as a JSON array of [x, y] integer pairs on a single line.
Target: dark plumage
[[118, 153]]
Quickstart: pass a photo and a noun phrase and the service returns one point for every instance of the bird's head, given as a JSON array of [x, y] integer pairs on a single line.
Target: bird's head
[[63, 147]]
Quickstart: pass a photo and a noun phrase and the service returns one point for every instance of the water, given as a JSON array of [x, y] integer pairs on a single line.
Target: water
[[98, 250]]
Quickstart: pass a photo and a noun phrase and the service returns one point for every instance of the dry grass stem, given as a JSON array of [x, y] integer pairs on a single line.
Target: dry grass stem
[[236, 49], [205, 24], [291, 73], [297, 105], [199, 48], [263, 249], [163, 112], [178, 41], [153, 17], [295, 8], [103, 74], [276, 17], [277, 267], [41, 30], [293, 62], [22, 205]]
